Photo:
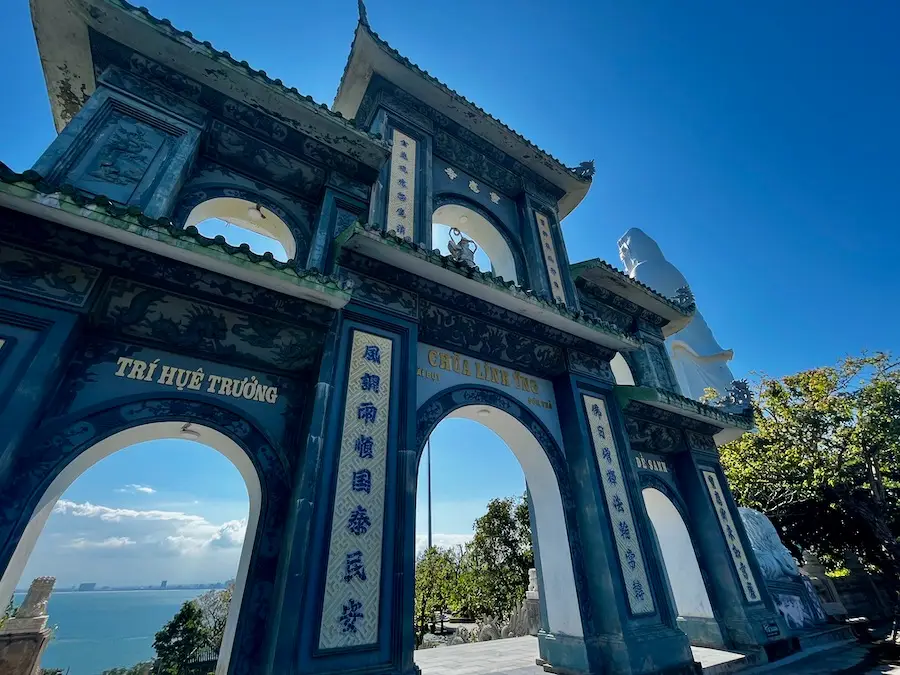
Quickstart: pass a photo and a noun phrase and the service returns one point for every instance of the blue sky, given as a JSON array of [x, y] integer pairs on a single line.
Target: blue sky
[[756, 142]]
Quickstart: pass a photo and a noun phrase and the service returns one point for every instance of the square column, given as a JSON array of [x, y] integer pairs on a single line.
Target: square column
[[736, 587], [349, 576], [629, 616]]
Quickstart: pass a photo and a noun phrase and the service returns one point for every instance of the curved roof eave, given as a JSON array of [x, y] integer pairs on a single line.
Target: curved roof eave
[[370, 54], [62, 31]]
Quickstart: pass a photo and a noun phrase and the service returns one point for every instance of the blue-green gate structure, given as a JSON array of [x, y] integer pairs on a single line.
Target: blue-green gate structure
[[329, 370]]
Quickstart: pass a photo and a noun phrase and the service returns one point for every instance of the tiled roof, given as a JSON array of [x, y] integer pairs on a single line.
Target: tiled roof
[[487, 278], [364, 23], [596, 263], [165, 26], [713, 414], [131, 218]]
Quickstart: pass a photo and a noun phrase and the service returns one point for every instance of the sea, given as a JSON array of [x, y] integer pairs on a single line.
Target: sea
[[97, 630]]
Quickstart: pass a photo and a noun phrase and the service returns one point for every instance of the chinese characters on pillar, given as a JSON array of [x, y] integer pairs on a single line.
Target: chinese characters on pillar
[[545, 238], [352, 586], [735, 548], [401, 195], [614, 484]]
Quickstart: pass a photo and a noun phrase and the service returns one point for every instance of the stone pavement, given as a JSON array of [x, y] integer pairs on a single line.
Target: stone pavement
[[515, 656]]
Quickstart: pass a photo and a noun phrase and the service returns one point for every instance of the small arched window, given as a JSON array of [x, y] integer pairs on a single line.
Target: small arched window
[[242, 222], [621, 370], [493, 252]]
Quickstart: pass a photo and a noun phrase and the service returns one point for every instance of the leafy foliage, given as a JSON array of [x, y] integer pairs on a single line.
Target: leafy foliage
[[179, 639], [437, 574], [824, 462], [214, 614], [489, 576], [142, 668]]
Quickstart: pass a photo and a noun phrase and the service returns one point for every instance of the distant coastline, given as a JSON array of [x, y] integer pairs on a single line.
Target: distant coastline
[[116, 589]]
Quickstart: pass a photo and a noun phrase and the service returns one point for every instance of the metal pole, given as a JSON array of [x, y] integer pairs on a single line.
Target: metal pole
[[429, 492]]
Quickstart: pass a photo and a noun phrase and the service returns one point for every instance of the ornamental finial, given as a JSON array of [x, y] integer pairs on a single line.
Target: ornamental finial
[[363, 16], [585, 169]]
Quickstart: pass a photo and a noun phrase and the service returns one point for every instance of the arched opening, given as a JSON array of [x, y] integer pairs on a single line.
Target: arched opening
[[155, 431], [560, 609], [621, 370], [695, 613], [241, 221], [493, 252]]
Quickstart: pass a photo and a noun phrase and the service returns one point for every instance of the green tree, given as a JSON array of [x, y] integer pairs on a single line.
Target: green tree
[[824, 461], [436, 576], [179, 639], [142, 668], [493, 569], [214, 614]]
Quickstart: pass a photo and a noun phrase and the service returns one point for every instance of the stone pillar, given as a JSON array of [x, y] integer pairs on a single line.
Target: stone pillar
[[736, 586], [24, 636], [629, 618], [828, 594], [532, 604]]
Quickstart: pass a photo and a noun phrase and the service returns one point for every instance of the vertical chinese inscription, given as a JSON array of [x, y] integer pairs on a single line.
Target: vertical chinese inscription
[[353, 579], [735, 548], [401, 214], [613, 481], [549, 249]]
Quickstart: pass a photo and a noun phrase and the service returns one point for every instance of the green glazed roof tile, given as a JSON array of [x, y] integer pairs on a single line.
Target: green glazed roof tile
[[487, 278], [165, 26], [579, 268], [627, 393], [364, 22], [30, 184]]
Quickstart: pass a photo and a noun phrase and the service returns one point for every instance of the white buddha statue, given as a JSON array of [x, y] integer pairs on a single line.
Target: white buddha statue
[[699, 361]]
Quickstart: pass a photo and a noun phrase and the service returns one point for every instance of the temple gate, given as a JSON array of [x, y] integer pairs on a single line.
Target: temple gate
[[322, 376]]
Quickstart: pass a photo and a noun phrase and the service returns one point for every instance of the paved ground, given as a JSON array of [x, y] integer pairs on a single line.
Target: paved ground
[[515, 656]]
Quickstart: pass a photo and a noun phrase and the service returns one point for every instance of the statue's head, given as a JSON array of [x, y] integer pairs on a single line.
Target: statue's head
[[636, 247]]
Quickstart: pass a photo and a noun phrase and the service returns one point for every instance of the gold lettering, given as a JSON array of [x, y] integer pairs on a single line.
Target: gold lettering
[[445, 361], [466, 371], [433, 358], [137, 370], [504, 376], [123, 362]]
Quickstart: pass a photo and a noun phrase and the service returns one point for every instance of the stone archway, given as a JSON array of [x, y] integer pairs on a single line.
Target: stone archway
[[67, 448], [696, 616], [491, 237], [560, 573]]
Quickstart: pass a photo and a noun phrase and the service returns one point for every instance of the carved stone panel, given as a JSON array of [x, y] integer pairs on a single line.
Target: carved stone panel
[[119, 156], [648, 437], [46, 276], [183, 324]]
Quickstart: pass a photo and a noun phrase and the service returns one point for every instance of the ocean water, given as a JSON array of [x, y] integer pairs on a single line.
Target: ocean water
[[106, 629]]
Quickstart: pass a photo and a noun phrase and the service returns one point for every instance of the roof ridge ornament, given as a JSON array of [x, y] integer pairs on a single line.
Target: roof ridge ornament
[[363, 15], [585, 169]]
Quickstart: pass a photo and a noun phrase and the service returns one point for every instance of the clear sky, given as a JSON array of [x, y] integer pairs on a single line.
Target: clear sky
[[756, 142]]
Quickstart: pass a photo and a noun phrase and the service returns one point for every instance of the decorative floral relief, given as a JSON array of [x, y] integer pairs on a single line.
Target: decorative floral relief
[[613, 481], [353, 581], [473, 186]]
